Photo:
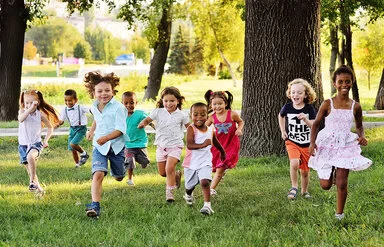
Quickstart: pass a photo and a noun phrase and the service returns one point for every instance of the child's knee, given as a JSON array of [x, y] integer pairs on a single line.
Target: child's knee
[[119, 179], [325, 184], [205, 183]]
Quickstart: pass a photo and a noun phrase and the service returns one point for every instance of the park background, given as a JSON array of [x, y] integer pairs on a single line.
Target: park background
[[251, 209]]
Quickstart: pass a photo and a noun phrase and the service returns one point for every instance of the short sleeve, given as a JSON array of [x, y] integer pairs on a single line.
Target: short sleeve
[[120, 119], [185, 118], [283, 111], [85, 109], [154, 114], [312, 112], [62, 116]]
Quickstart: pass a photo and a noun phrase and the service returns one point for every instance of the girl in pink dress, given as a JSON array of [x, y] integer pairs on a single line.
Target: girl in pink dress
[[229, 126], [335, 147]]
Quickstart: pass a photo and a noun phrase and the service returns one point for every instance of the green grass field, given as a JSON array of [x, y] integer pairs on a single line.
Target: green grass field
[[251, 208]]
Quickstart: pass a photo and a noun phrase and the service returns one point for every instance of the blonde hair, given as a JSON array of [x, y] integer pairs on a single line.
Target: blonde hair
[[309, 92]]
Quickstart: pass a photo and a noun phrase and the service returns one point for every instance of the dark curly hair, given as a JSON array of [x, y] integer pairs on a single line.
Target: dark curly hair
[[93, 78]]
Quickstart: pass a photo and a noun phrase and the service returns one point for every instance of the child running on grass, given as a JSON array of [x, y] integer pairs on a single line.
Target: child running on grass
[[75, 115], [136, 146], [108, 132], [170, 122], [198, 159], [229, 126], [295, 121], [34, 112], [336, 148]]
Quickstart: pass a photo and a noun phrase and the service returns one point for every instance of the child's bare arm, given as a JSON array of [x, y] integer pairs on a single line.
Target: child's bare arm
[[144, 122], [91, 131], [49, 126], [303, 117], [358, 113], [323, 112], [217, 144], [240, 123], [284, 134], [23, 113], [114, 134], [191, 144], [209, 121]]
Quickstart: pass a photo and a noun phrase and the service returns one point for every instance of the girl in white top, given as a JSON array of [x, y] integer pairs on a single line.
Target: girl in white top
[[34, 112], [170, 123], [198, 159]]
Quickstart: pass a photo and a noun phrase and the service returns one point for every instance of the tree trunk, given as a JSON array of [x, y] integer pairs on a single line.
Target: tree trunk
[[379, 103], [345, 27], [12, 30], [159, 59], [280, 45], [334, 40]]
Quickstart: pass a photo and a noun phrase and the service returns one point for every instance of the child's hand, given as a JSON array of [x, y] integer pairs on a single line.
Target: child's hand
[[45, 144], [239, 132], [312, 149], [89, 135], [284, 136], [102, 140], [302, 116], [362, 141], [141, 125], [207, 142]]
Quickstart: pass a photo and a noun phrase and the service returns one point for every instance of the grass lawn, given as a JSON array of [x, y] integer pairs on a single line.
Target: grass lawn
[[251, 208]]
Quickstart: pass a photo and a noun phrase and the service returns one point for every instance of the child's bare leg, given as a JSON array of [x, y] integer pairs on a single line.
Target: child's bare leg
[[326, 184], [170, 169], [97, 189], [75, 156], [161, 168], [31, 159], [293, 171], [130, 173], [217, 178], [304, 181], [205, 187], [342, 189]]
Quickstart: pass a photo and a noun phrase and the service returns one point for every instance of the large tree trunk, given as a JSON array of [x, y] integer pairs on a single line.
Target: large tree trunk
[[334, 41], [12, 30], [281, 43], [345, 28], [159, 59], [379, 103]]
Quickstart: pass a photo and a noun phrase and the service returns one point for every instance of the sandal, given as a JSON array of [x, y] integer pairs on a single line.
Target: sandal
[[292, 194], [306, 195]]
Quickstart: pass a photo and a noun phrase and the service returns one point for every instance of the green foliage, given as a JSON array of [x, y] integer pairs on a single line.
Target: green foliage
[[82, 50], [251, 207], [55, 36], [104, 46], [50, 71], [179, 58], [30, 50], [140, 47]]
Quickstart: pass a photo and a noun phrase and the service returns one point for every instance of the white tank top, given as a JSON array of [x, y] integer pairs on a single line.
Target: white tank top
[[30, 129]]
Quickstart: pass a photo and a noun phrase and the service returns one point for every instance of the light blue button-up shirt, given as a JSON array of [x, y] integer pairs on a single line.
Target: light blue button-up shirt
[[112, 118]]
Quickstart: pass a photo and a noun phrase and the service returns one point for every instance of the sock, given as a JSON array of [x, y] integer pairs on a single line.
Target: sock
[[83, 153], [207, 204]]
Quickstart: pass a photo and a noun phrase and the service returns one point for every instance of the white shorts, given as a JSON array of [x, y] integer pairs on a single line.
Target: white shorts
[[193, 177]]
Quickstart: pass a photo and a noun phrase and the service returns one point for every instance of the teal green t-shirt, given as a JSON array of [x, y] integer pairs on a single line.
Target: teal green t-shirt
[[137, 137]]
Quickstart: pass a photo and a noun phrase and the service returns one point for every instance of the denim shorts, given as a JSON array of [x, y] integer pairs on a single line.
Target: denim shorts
[[24, 150], [100, 163]]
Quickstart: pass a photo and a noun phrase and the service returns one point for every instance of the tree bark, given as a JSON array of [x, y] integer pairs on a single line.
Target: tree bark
[[159, 59], [12, 30], [282, 42], [334, 40], [379, 102], [345, 27]]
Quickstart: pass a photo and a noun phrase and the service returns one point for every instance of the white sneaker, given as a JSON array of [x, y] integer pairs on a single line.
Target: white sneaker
[[189, 199], [213, 192], [339, 216], [130, 182], [206, 210]]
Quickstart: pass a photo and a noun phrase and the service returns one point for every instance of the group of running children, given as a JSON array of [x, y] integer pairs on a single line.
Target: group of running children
[[212, 140]]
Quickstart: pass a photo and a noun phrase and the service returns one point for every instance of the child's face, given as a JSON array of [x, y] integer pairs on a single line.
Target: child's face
[[129, 103], [170, 102], [103, 92], [30, 101], [199, 115], [298, 94], [69, 101], [343, 83], [218, 105]]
